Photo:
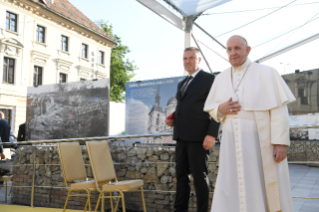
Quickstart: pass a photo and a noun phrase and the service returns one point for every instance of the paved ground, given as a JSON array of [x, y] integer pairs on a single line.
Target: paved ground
[[304, 183]]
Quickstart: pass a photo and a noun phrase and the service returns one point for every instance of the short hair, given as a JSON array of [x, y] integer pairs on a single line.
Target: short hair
[[241, 38], [192, 49], [2, 115]]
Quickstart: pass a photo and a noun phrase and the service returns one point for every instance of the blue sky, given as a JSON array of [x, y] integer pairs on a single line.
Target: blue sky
[[157, 46]]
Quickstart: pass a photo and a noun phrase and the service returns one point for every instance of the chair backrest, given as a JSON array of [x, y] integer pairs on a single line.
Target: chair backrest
[[71, 160], [101, 161]]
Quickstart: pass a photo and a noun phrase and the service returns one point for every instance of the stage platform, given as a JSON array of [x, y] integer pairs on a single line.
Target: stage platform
[[19, 208], [304, 183]]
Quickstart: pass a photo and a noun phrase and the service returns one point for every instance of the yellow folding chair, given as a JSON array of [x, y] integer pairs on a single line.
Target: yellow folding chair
[[73, 168], [6, 179], [104, 173]]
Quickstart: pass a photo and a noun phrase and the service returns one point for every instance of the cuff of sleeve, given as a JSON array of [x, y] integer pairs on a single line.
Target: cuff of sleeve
[[280, 130], [216, 115]]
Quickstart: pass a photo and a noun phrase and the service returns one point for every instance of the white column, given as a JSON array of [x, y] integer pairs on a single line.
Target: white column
[[187, 39]]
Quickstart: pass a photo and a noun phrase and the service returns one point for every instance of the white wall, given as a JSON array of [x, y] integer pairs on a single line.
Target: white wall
[[117, 118]]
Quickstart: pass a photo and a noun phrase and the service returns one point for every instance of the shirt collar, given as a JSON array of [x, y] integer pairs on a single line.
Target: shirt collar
[[243, 66], [195, 73]]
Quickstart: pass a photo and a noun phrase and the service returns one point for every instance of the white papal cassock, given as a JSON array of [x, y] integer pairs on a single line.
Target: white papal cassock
[[249, 180]]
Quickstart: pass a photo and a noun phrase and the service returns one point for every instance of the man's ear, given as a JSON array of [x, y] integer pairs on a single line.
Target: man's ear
[[199, 59], [248, 50]]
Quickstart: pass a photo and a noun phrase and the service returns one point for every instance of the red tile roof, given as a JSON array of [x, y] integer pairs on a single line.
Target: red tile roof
[[68, 10]]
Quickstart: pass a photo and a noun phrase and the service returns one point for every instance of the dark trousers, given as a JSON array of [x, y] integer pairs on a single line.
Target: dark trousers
[[191, 158]]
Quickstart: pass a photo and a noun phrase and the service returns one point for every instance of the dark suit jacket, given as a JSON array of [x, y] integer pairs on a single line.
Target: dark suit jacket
[[191, 123], [21, 132], [4, 132]]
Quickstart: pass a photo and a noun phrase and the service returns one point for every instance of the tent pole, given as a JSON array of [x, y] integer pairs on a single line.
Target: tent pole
[[202, 53], [187, 39], [209, 35]]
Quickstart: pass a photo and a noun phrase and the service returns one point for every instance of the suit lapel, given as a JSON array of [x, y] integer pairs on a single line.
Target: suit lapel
[[193, 82]]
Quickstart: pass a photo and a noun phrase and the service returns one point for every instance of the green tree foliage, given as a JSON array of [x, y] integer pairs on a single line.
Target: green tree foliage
[[122, 70]]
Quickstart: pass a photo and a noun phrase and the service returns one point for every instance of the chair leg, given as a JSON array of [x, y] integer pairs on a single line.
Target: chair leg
[[66, 201], [123, 202], [10, 191], [102, 204], [98, 202], [90, 201], [5, 193], [111, 202], [143, 199], [86, 204], [117, 202]]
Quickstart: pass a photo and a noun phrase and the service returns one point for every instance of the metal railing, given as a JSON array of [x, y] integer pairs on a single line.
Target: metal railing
[[120, 137]]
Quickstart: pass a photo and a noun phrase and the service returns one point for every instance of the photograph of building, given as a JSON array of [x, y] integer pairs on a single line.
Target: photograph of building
[[148, 103], [68, 110]]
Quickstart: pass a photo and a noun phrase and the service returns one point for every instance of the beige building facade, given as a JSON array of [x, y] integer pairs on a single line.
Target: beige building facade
[[46, 42]]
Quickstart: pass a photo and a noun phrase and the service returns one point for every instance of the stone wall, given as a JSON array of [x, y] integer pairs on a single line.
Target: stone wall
[[154, 164], [304, 150]]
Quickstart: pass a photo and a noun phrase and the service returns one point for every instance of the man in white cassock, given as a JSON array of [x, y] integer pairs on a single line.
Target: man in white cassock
[[251, 102]]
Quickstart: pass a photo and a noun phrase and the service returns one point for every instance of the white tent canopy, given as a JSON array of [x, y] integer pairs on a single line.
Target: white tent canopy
[[194, 7], [271, 27]]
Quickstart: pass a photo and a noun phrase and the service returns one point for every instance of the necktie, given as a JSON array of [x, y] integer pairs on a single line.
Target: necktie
[[184, 87]]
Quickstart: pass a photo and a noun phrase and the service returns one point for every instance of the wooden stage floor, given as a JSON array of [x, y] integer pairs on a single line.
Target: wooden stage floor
[[19, 208]]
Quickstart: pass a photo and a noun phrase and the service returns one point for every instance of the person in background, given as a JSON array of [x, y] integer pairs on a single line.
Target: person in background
[[4, 133], [21, 132]]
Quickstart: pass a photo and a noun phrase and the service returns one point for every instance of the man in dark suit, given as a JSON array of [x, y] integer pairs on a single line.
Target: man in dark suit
[[4, 134], [21, 132], [194, 131]]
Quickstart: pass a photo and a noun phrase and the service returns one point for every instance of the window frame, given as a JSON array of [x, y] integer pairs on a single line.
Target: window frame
[[10, 21], [101, 57], [66, 43], [86, 49], [6, 81], [66, 77], [37, 34], [36, 76]]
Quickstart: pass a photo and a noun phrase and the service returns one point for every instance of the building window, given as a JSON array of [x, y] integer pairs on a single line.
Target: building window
[[37, 78], [63, 78], [40, 36], [303, 97], [81, 79], [7, 115], [84, 50], [11, 21], [8, 70], [101, 57], [64, 43]]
